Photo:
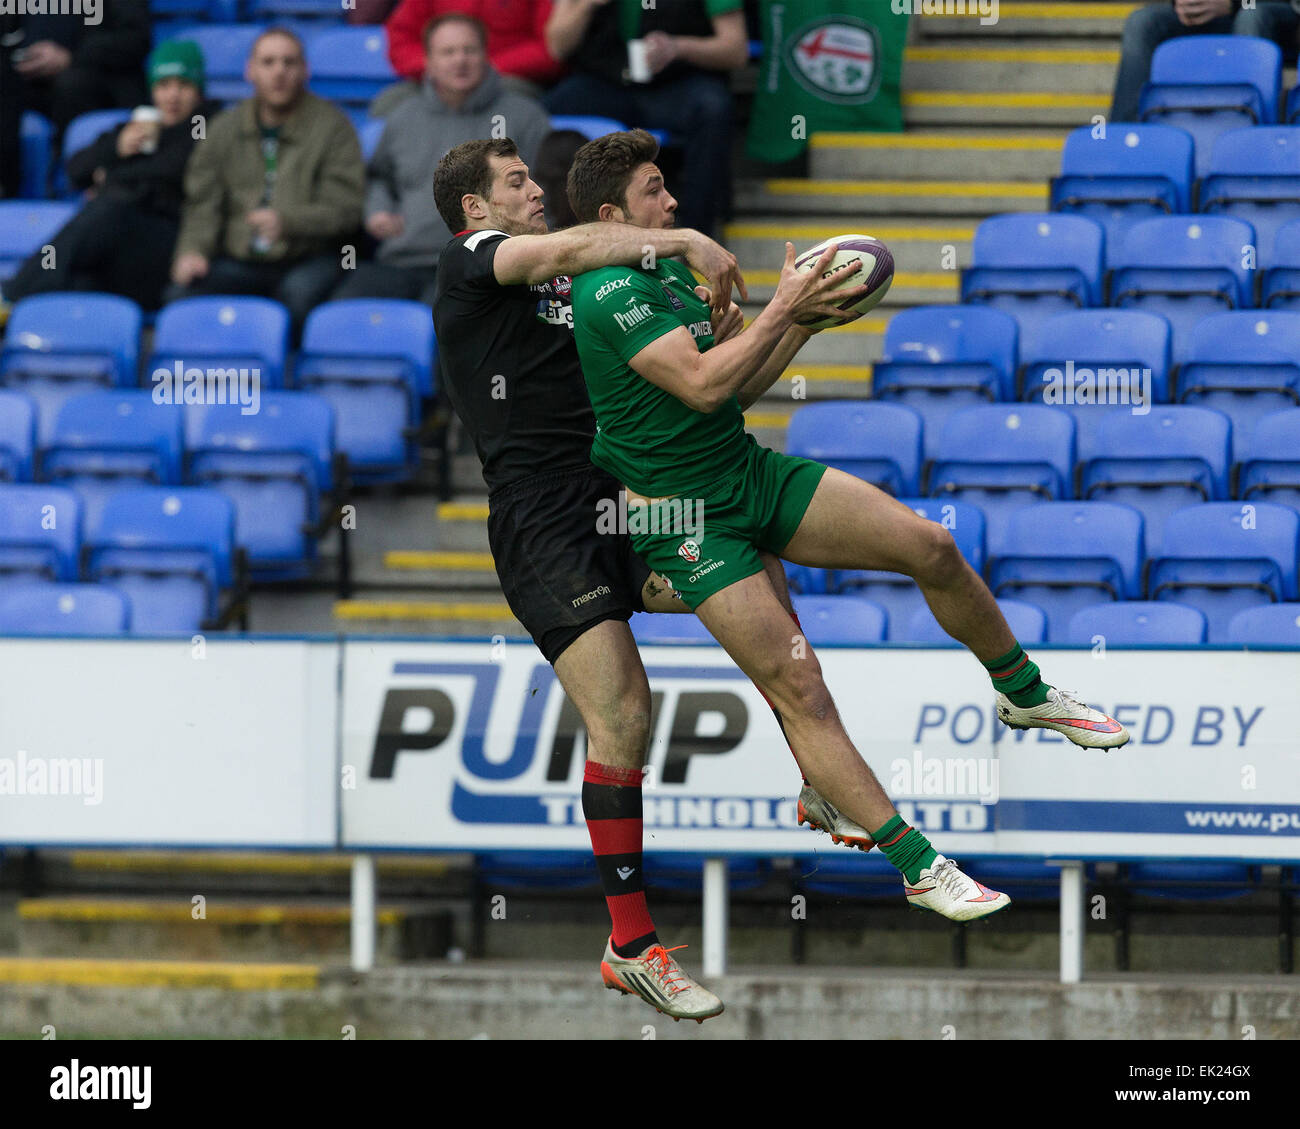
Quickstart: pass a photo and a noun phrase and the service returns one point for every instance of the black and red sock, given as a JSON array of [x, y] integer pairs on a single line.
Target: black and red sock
[[611, 803]]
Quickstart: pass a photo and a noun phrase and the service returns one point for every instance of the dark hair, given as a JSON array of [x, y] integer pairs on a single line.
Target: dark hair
[[454, 17], [602, 170], [275, 29], [466, 169], [554, 159]]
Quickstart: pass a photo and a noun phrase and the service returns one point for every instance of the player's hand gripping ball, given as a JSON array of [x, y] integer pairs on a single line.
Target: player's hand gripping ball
[[877, 273]]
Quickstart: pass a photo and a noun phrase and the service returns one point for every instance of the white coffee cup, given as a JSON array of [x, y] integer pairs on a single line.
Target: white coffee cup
[[638, 61], [153, 117]]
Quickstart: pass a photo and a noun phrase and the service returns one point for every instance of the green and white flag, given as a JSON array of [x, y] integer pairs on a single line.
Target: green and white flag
[[827, 65]]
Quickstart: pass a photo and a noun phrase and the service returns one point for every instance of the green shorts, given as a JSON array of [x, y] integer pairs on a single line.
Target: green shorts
[[709, 540]]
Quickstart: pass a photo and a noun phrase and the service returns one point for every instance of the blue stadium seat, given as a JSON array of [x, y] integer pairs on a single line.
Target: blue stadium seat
[[1136, 622], [684, 873], [1277, 625], [938, 359], [369, 132], [1245, 364], [899, 594], [63, 609], [1279, 287], [590, 126], [40, 532], [83, 130], [1209, 84], [1023, 880], [536, 870], [222, 332], [28, 225], [170, 549], [1157, 463], [848, 620], [847, 874], [667, 628], [1191, 880], [17, 437], [1186, 268], [1092, 362], [879, 443], [1036, 264], [104, 440], [1254, 175], [349, 64], [1028, 623], [225, 50], [1063, 556], [1225, 557], [180, 9], [64, 343], [373, 361], [1270, 466], [1129, 173], [1001, 457], [274, 466], [36, 135], [294, 9], [803, 578]]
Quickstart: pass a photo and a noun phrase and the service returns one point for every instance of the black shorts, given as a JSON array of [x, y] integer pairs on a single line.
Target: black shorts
[[560, 575]]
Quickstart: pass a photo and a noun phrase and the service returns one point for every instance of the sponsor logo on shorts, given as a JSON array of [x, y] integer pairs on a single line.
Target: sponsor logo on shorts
[[708, 568], [675, 302], [587, 597], [634, 317], [612, 285], [689, 551]]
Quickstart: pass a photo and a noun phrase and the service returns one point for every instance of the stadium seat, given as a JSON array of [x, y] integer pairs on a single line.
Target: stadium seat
[[1209, 84], [669, 628], [684, 873], [1279, 285], [83, 130], [899, 594], [1028, 623], [349, 64], [1186, 268], [1159, 462], [879, 443], [170, 549], [373, 361], [40, 532], [1277, 625], [36, 136], [276, 10], [1002, 456], [369, 132], [104, 440], [273, 466], [847, 620], [1254, 175], [1193, 879], [163, 10], [221, 332], [1245, 364], [1036, 264], [1063, 556], [1225, 557], [1270, 466], [589, 125], [28, 225], [837, 873], [1128, 173], [63, 609], [1023, 880], [1136, 622], [225, 50], [937, 359], [1092, 362], [536, 870], [803, 578], [17, 437], [64, 343]]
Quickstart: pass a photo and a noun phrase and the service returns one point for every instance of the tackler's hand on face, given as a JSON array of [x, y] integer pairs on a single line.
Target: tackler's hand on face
[[733, 321]]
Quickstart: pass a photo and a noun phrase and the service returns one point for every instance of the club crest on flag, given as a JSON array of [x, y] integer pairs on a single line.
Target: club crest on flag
[[835, 58]]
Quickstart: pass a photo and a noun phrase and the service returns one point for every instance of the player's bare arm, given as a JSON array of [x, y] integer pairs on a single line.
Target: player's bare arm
[[706, 381]]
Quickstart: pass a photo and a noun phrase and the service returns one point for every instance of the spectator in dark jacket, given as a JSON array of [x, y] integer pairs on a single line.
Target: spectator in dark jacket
[[62, 66], [121, 241]]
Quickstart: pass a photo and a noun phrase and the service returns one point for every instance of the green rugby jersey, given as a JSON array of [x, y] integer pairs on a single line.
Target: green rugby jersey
[[645, 437]]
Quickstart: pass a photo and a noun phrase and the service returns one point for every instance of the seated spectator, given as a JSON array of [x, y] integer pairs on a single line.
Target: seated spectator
[[121, 241], [516, 41], [689, 46], [1153, 24], [62, 66], [274, 193], [461, 99]]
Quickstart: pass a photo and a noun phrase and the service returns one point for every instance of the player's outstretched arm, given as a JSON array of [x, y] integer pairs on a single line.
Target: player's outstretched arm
[[589, 246]]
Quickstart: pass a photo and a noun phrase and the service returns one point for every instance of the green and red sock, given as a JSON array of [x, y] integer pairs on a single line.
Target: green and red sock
[[905, 847], [1016, 675]]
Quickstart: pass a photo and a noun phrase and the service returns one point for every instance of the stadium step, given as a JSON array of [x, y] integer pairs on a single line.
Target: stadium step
[[1015, 18], [113, 973], [1027, 66], [938, 154], [886, 198], [455, 615], [1018, 108], [921, 246]]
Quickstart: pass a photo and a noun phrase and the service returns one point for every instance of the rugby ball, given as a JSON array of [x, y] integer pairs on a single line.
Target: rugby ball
[[877, 273]]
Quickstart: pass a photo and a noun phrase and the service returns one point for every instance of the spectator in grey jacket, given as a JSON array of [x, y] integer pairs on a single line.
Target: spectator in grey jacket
[[462, 98]]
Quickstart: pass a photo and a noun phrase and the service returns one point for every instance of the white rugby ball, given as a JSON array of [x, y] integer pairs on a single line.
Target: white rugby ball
[[877, 273]]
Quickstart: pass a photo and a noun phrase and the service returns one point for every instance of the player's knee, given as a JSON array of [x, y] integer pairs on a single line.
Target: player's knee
[[622, 732], [940, 561], [800, 691]]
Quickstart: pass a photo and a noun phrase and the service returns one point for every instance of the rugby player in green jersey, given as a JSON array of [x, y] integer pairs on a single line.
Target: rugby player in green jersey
[[669, 405]]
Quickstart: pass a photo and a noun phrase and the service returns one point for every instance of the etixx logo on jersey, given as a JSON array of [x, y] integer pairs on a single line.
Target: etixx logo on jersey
[[836, 58], [689, 551]]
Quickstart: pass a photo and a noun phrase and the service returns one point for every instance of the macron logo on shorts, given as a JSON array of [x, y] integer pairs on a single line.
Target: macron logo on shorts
[[603, 590]]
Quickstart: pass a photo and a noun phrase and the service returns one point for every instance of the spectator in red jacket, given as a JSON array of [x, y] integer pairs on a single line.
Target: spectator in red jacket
[[516, 36]]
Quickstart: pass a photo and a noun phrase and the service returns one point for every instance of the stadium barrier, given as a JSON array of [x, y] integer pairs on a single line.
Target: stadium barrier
[[379, 744]]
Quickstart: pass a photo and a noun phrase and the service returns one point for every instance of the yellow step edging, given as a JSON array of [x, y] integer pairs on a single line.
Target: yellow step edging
[[399, 609], [1012, 141], [1049, 56], [767, 419], [462, 511], [912, 280], [860, 373], [240, 862], [777, 229], [1015, 10], [422, 559], [1005, 100], [158, 973], [103, 910], [916, 188]]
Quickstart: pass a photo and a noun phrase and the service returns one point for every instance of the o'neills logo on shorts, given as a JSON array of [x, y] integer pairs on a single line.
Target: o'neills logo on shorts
[[689, 551]]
